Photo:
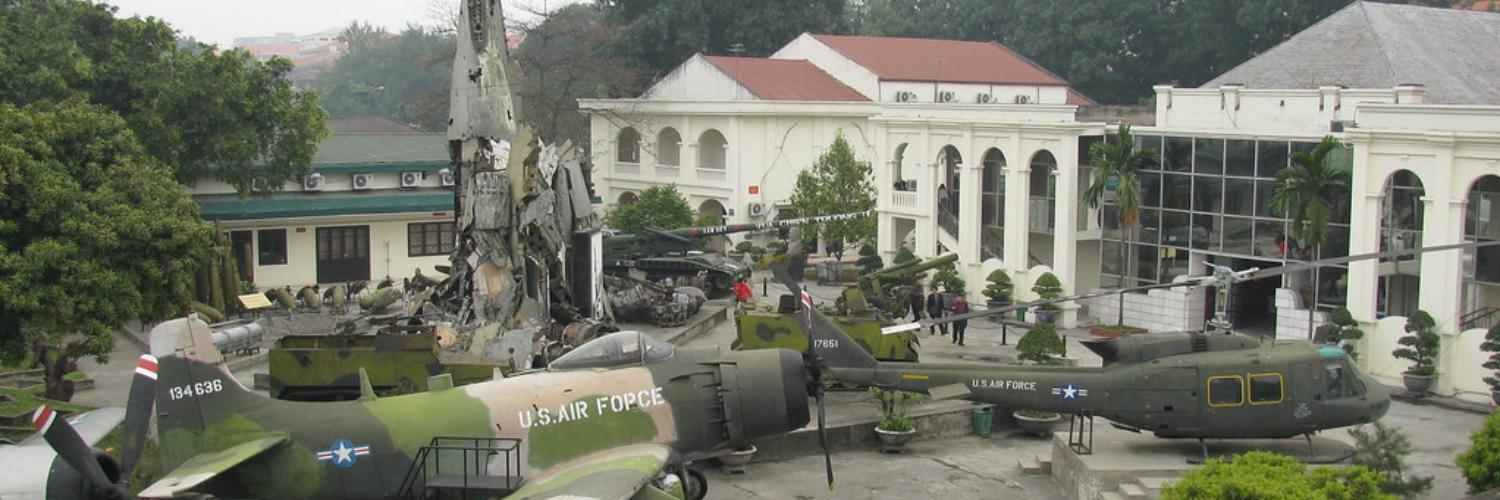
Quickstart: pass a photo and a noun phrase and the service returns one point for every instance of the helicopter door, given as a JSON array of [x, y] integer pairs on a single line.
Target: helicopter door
[[1164, 402]]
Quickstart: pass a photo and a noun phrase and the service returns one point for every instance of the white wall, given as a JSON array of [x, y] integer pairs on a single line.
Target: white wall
[[967, 93], [388, 247], [835, 64], [697, 79], [332, 182], [1276, 112]]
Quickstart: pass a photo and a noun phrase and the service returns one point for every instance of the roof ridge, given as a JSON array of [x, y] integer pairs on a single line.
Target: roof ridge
[[731, 75], [1390, 69], [1033, 64], [1285, 44]]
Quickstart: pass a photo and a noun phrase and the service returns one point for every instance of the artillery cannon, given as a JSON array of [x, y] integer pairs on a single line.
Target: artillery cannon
[[883, 288], [661, 253]]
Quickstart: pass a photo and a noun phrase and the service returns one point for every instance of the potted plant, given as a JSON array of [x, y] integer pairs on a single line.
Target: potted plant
[[734, 462], [998, 290], [895, 428], [1420, 346], [1047, 287], [947, 278], [1342, 330], [1491, 345], [1038, 346], [869, 260]]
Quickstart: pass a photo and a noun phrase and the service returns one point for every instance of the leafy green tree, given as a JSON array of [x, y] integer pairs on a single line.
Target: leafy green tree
[[1420, 344], [1307, 191], [837, 183], [660, 34], [567, 57], [1384, 450], [1264, 475], [405, 77], [205, 114], [93, 231], [658, 206], [1120, 162], [1040, 344], [1480, 463], [1343, 330]]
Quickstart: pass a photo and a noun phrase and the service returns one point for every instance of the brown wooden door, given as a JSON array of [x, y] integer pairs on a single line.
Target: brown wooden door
[[343, 254]]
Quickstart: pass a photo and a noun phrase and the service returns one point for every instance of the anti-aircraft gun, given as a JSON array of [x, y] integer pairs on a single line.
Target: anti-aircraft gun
[[889, 289], [662, 254]]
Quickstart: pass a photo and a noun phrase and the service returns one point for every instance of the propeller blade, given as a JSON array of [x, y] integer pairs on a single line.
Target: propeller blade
[[69, 446], [1303, 266], [138, 413], [823, 439]]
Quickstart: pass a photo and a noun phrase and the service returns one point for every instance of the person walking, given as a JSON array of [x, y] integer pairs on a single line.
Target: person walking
[[959, 306], [935, 310], [742, 292], [914, 298]]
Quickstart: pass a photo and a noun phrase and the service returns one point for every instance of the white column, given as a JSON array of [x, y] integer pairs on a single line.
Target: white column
[[1366, 190], [1017, 215], [927, 173], [1065, 232]]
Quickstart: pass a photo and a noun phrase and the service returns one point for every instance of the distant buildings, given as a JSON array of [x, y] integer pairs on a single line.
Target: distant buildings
[[310, 54]]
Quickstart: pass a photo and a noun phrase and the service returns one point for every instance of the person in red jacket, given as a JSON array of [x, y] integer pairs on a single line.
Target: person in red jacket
[[741, 291]]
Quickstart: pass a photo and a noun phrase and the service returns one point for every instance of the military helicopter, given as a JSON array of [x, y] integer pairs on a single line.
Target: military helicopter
[[1213, 384], [620, 414]]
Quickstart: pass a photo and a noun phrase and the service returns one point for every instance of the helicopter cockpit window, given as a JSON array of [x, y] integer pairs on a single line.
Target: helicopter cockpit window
[[616, 349], [1226, 391], [1340, 382], [1265, 388]]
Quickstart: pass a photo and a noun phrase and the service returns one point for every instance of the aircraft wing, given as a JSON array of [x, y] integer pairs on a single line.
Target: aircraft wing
[[206, 466], [613, 474]]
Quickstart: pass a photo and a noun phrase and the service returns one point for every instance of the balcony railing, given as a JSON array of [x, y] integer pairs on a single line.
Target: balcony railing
[[623, 168], [904, 199], [710, 174], [666, 171]]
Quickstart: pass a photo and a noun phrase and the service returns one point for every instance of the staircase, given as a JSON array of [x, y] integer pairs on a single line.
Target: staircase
[[460, 466], [1484, 317], [1142, 488]]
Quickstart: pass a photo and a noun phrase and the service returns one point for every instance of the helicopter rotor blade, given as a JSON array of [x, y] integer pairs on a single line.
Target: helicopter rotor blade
[[138, 413], [1303, 266], [1191, 282]]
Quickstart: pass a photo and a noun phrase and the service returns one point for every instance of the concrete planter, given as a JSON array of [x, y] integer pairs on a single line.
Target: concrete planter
[[1041, 427], [893, 441], [996, 304], [1417, 385], [1047, 315], [734, 462]]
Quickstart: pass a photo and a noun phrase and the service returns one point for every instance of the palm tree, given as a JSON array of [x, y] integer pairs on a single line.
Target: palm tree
[[1305, 194], [1120, 161]]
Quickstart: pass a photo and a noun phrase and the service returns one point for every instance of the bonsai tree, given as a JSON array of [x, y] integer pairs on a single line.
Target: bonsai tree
[[947, 278], [1384, 450], [1040, 344], [869, 260], [1342, 330], [1262, 474], [903, 256], [1420, 344], [1491, 345], [1048, 287], [999, 287], [893, 409], [1480, 464]]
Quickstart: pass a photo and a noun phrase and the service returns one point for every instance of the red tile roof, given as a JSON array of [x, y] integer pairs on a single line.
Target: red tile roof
[[929, 60], [1077, 99], [785, 80]]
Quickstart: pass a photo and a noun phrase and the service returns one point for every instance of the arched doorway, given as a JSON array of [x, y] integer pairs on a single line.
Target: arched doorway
[[712, 209], [627, 198], [1400, 228], [628, 146], [1042, 192], [949, 163], [711, 150], [1482, 266], [668, 147], [992, 206], [898, 170], [711, 212]]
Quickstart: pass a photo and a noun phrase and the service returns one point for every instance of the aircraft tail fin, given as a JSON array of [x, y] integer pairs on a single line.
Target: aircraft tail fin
[[194, 387], [827, 343]]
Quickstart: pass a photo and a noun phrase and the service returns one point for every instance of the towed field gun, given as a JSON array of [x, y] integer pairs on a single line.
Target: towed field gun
[[657, 254], [890, 289]]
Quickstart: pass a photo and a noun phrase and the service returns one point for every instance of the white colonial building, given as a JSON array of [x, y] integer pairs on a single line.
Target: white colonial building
[[987, 158]]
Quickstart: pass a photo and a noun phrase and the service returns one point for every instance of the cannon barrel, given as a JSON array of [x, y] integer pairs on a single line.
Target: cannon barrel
[[913, 267]]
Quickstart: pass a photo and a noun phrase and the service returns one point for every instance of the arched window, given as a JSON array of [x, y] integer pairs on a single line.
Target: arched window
[[898, 170], [627, 198], [992, 205], [1482, 223], [1400, 228], [712, 149], [949, 160], [628, 146], [668, 148], [1043, 192]]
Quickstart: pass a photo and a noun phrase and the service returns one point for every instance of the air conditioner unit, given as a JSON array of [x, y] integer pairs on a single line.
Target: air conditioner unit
[[904, 96], [757, 209], [411, 179], [982, 98], [446, 176], [1023, 99], [259, 184], [946, 96], [312, 182], [361, 182]]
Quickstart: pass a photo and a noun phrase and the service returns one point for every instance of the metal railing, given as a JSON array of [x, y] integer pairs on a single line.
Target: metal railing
[[467, 467], [1484, 317]]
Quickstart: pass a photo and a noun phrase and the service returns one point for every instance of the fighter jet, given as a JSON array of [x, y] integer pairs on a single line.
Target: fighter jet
[[618, 415]]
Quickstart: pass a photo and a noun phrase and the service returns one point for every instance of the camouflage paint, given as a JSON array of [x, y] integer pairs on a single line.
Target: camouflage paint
[[396, 364], [409, 420], [757, 330], [558, 443]]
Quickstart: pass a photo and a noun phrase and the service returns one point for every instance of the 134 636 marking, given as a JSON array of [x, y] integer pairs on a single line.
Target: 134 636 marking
[[196, 389]]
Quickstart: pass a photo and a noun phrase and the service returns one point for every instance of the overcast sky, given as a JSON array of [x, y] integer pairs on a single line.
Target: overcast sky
[[221, 21]]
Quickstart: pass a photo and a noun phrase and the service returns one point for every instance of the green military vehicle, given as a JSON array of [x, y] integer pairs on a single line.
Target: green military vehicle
[[326, 367], [879, 299]]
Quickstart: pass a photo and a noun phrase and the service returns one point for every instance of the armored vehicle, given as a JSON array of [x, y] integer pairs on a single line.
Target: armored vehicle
[[326, 367], [663, 255]]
